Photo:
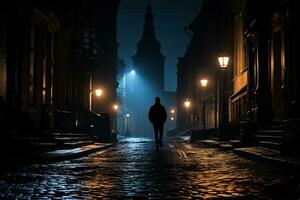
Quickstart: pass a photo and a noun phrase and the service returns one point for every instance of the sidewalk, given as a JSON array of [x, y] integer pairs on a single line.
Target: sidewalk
[[58, 155], [256, 153], [54, 147]]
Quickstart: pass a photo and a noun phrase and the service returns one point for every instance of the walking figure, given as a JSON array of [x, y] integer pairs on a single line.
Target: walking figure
[[158, 116]]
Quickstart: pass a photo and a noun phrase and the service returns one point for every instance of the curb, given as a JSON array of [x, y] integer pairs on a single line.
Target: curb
[[47, 157], [51, 157], [250, 155], [270, 160]]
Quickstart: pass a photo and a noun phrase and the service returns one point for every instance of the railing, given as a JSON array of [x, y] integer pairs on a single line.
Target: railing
[[93, 123]]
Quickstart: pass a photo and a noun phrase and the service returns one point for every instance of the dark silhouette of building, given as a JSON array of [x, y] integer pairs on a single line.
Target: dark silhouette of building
[[52, 57], [121, 95], [104, 21], [208, 41], [148, 60], [148, 63]]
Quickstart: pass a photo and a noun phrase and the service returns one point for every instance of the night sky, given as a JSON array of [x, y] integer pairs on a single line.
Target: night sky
[[170, 18]]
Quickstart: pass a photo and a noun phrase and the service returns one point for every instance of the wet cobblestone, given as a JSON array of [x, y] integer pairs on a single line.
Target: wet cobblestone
[[133, 169]]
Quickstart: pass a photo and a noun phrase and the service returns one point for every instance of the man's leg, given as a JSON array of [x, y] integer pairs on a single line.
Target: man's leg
[[156, 135], [161, 133]]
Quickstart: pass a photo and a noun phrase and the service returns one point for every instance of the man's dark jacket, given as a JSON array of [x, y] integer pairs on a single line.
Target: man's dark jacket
[[157, 114]]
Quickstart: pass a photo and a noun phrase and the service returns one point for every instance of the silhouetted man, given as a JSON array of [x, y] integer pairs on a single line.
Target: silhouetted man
[[158, 116]]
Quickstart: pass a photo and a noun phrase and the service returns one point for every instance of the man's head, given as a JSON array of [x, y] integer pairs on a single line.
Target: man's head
[[157, 100]]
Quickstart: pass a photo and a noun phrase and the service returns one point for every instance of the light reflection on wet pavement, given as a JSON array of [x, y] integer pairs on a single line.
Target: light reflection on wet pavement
[[134, 169]]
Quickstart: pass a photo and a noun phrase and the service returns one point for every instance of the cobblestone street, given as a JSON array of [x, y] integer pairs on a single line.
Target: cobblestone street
[[133, 169]]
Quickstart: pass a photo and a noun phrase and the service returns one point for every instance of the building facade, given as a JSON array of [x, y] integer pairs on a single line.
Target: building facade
[[208, 41], [272, 87], [45, 60], [104, 76], [261, 87]]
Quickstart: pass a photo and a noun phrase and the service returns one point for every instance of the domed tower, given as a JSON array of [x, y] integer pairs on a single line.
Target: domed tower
[[149, 61]]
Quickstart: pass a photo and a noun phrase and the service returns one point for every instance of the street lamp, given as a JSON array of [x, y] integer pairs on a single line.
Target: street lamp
[[127, 123], [99, 92], [223, 61], [204, 83], [172, 111], [187, 105], [132, 72], [115, 108]]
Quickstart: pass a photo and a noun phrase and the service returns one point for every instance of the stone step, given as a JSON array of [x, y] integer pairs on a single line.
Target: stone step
[[235, 143], [275, 127], [270, 145], [66, 134], [269, 138], [270, 132], [72, 139], [77, 144], [43, 146]]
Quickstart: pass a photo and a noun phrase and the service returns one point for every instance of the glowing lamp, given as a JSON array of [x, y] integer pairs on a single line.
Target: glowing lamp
[[98, 92], [204, 83], [116, 107], [223, 61], [187, 104]]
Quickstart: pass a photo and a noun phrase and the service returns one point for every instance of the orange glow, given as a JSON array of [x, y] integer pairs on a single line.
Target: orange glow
[[98, 92], [223, 61], [204, 83], [187, 104], [116, 107]]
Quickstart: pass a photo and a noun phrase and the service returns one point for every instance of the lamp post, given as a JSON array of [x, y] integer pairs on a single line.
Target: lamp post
[[115, 108], [127, 123], [203, 83], [223, 61], [98, 93], [187, 105], [172, 118]]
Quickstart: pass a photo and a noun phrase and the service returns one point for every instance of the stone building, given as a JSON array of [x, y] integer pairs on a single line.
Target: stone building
[[40, 44], [45, 59], [262, 89], [148, 63], [148, 60], [209, 40], [266, 37], [104, 74]]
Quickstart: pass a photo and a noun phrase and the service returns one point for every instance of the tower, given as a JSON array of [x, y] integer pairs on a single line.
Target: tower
[[148, 60], [148, 63]]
